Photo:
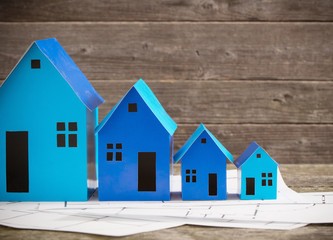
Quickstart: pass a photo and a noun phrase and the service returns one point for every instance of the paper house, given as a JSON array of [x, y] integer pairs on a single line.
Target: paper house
[[256, 173], [48, 113], [135, 142], [203, 167]]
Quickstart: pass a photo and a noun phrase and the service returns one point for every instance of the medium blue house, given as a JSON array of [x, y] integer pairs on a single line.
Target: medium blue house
[[256, 173], [48, 113], [203, 167], [135, 148]]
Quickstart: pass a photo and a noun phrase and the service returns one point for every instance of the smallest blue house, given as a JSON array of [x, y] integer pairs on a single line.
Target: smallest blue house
[[256, 173], [203, 167]]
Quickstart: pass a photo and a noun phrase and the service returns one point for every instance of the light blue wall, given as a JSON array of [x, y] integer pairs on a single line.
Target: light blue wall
[[253, 168], [205, 158], [34, 100], [138, 132]]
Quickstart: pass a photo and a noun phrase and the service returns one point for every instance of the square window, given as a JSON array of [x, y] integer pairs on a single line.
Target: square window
[[188, 171], [61, 126], [119, 156], [35, 63], [194, 171], [72, 126], [109, 156], [258, 155], [194, 178], [270, 182], [263, 175], [263, 182], [270, 175], [61, 140], [132, 107], [72, 140], [109, 146], [188, 179], [203, 140], [119, 146]]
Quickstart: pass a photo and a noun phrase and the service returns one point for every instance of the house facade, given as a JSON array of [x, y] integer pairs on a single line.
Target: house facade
[[256, 174], [135, 147], [203, 167], [47, 140]]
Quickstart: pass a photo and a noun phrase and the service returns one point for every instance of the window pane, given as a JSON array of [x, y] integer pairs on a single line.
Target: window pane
[[203, 140], [35, 63], [194, 178], [132, 107], [119, 156], [72, 140], [258, 155], [194, 171], [109, 156], [263, 182], [119, 146], [61, 126], [188, 171], [61, 140], [270, 182], [188, 178], [72, 126], [263, 174], [270, 175], [109, 146]]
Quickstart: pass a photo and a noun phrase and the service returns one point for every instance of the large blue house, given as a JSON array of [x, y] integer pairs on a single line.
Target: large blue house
[[48, 113], [256, 173], [135, 148], [203, 166]]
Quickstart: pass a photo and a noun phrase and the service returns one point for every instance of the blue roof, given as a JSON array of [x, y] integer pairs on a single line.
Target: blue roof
[[70, 72], [247, 154], [152, 102], [182, 151]]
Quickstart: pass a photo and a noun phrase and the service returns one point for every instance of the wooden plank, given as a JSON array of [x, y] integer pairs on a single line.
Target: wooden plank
[[233, 101], [166, 10], [287, 143], [190, 51]]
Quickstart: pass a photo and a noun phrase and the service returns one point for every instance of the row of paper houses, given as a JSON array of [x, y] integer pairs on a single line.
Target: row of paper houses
[[50, 139]]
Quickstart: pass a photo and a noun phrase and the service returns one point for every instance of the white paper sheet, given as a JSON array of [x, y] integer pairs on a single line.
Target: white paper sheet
[[291, 210]]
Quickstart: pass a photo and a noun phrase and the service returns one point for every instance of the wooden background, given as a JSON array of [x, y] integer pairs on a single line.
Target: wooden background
[[249, 70]]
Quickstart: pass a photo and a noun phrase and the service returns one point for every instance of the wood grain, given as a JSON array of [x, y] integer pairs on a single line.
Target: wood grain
[[188, 51], [216, 102], [166, 10]]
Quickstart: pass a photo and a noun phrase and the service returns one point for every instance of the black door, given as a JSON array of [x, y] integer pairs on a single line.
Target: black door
[[250, 186], [212, 189], [146, 171], [17, 168]]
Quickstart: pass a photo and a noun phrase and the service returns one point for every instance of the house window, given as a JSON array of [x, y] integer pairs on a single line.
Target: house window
[[62, 134], [267, 179], [114, 154], [191, 175], [35, 63], [132, 107], [258, 155], [203, 140]]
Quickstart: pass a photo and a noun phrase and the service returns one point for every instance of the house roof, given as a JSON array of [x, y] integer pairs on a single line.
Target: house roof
[[152, 102], [70, 72], [182, 151], [247, 154]]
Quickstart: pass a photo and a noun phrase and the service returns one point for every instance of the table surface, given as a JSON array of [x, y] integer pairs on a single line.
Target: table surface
[[300, 177]]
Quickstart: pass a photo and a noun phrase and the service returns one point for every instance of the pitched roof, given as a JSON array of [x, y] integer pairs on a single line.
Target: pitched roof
[[70, 72], [152, 102], [182, 151], [247, 154]]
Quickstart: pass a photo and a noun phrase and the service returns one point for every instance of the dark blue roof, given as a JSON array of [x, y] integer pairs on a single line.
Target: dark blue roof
[[152, 102], [182, 151], [70, 72]]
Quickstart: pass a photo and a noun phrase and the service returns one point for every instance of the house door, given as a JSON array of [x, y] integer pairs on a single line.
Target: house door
[[17, 169], [212, 188], [250, 183], [146, 171]]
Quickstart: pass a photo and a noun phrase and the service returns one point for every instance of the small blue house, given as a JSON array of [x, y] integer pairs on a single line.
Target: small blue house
[[256, 173], [135, 148], [203, 167], [48, 113]]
